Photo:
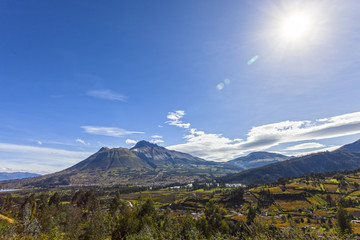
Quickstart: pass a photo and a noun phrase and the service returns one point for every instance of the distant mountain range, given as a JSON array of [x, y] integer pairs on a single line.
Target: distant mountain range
[[144, 164], [258, 159], [344, 158], [148, 164], [16, 175]]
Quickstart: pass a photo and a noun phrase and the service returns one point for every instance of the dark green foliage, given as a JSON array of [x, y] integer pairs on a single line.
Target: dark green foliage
[[54, 200], [115, 204], [237, 195], [251, 214], [96, 226], [343, 220], [85, 200], [189, 231], [214, 220]]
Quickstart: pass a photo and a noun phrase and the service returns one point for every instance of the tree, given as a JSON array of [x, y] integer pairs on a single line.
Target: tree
[[343, 220], [54, 200], [115, 204], [237, 195], [251, 215]]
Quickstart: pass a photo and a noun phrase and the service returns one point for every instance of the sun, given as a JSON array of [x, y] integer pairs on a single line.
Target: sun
[[296, 27]]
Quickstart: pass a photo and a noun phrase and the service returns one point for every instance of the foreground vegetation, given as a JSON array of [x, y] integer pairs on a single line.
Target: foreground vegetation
[[316, 206]]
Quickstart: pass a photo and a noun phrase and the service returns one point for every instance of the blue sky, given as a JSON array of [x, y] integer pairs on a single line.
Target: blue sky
[[79, 75]]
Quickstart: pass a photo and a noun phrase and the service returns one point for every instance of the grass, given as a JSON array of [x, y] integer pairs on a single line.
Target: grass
[[293, 205], [331, 187]]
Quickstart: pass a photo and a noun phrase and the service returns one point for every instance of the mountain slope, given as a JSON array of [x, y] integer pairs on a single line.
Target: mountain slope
[[258, 159], [144, 164], [295, 167], [352, 147], [158, 156], [107, 158]]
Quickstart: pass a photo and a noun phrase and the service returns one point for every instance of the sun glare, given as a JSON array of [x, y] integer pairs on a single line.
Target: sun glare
[[296, 26]]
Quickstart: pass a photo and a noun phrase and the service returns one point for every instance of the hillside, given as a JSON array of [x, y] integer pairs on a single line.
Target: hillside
[[314, 163], [145, 164], [352, 147], [258, 159]]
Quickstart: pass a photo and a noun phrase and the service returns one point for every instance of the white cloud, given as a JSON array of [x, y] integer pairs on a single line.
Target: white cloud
[[108, 131], [130, 141], [38, 159], [209, 146], [156, 141], [107, 94], [174, 119], [219, 148], [79, 140], [39, 142], [304, 146], [156, 136], [159, 126], [332, 148]]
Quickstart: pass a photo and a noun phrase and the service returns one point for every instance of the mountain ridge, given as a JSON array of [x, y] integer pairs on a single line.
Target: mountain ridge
[[258, 159], [340, 159]]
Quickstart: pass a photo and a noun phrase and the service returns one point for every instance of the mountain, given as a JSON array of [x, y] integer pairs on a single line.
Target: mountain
[[352, 147], [258, 159], [157, 156], [106, 159], [344, 158], [144, 164], [16, 175]]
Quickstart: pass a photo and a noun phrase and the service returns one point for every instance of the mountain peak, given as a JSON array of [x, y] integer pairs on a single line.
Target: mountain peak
[[104, 149], [144, 143]]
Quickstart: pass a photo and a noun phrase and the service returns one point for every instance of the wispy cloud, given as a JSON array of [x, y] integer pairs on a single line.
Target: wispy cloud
[[130, 141], [108, 131], [331, 148], [302, 146], [219, 148], [79, 140], [38, 159], [174, 119], [156, 136], [107, 94], [156, 141]]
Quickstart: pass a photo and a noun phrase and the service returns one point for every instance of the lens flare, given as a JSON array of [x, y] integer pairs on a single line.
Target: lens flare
[[220, 86], [251, 61]]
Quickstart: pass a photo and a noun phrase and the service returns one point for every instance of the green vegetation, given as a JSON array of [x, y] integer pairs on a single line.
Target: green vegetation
[[290, 208]]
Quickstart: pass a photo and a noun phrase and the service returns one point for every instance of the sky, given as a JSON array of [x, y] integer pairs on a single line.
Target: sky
[[216, 79]]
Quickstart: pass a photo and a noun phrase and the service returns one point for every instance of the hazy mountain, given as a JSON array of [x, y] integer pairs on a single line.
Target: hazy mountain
[[341, 159], [16, 175], [144, 164], [258, 159]]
